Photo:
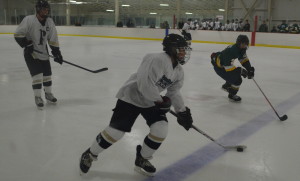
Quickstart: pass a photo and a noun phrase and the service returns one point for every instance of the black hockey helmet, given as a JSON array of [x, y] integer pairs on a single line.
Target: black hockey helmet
[[242, 39], [172, 44], [40, 4]]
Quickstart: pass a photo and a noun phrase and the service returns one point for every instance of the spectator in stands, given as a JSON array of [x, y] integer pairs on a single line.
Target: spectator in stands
[[274, 29], [241, 25], [222, 27], [203, 25], [196, 25], [152, 25], [164, 25], [263, 27], [246, 26], [217, 24], [228, 26], [180, 24], [283, 27], [130, 24], [294, 28], [211, 24], [235, 25], [119, 24]]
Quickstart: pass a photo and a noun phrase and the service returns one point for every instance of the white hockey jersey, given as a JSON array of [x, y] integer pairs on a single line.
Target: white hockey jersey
[[155, 74], [186, 27], [33, 30]]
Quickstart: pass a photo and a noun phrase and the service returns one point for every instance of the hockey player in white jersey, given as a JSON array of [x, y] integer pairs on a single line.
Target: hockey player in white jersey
[[141, 95], [186, 31], [33, 33]]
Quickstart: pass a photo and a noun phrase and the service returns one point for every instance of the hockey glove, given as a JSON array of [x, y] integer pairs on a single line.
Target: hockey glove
[[244, 72], [164, 106], [57, 55], [251, 72], [185, 119], [28, 50]]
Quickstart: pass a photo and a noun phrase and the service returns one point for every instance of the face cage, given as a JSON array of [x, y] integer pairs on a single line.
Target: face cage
[[38, 9], [247, 47], [187, 56]]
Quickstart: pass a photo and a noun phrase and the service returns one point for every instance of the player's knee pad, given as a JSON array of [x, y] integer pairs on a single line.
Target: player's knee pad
[[112, 135], [159, 131], [47, 81], [233, 89], [108, 137], [37, 81]]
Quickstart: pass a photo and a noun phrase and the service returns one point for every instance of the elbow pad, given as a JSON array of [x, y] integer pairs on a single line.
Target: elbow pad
[[23, 42]]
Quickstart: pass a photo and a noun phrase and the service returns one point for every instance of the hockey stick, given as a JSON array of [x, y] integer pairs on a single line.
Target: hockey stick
[[282, 118], [93, 71], [239, 148]]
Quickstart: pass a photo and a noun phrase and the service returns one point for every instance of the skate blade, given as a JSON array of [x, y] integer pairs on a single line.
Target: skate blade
[[143, 172], [235, 101], [81, 173], [51, 102], [40, 108]]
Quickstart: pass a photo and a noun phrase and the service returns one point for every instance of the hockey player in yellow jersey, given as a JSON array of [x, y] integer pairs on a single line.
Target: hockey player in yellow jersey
[[223, 63]]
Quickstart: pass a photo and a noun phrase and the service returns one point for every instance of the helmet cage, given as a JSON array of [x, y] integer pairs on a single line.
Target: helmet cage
[[174, 45], [41, 5], [242, 39], [187, 55]]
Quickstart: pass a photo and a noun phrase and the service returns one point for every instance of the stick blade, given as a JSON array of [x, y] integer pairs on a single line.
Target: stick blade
[[235, 147], [100, 70], [283, 118]]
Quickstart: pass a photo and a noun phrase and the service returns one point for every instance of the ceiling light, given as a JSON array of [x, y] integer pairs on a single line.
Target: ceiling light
[[125, 5], [110, 10], [188, 13], [164, 4], [152, 13], [221, 9]]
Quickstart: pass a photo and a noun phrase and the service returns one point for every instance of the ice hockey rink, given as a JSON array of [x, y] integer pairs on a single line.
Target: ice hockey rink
[[46, 144]]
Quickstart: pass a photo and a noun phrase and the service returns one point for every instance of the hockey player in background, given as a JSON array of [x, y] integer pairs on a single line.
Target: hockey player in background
[[223, 63], [33, 33], [141, 95], [186, 31]]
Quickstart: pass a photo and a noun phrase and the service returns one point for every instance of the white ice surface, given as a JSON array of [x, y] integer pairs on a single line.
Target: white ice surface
[[46, 145]]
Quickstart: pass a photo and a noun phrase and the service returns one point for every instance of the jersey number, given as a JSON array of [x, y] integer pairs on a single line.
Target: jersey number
[[42, 34]]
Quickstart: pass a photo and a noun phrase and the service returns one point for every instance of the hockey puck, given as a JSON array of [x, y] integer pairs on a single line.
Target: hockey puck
[[240, 149]]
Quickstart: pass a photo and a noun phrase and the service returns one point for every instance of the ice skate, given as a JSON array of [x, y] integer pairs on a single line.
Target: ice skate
[[234, 98], [39, 102], [50, 98], [86, 161], [142, 165]]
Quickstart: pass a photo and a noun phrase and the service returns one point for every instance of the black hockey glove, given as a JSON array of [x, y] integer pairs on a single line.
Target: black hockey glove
[[185, 119], [244, 72], [251, 72], [57, 55], [28, 50], [164, 106]]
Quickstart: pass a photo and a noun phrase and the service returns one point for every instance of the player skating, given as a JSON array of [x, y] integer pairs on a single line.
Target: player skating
[[141, 95], [33, 33], [186, 31], [223, 63]]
